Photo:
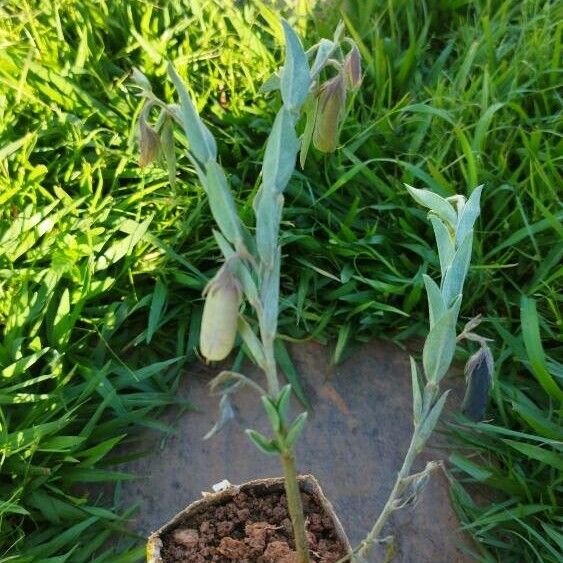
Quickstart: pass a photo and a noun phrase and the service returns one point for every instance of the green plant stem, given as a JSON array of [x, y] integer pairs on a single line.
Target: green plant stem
[[415, 447], [295, 506], [389, 507], [270, 368], [291, 483]]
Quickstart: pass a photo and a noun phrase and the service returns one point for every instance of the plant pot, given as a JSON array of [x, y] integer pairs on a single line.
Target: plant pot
[[224, 523]]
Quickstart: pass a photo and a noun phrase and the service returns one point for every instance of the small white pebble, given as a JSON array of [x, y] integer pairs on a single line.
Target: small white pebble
[[221, 486]]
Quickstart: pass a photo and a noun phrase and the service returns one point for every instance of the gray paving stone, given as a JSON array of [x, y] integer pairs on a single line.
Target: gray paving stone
[[353, 443]]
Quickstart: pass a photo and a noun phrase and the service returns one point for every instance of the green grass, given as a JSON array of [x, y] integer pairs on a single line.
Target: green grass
[[516, 459], [102, 264]]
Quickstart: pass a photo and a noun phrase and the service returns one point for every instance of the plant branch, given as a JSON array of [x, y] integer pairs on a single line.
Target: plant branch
[[402, 480]]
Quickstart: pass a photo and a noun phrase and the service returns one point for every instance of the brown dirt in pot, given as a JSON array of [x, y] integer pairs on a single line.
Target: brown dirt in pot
[[251, 528]]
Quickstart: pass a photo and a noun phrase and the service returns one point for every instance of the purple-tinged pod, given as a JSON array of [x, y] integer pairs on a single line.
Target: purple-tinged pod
[[149, 143], [331, 103], [352, 68], [479, 377]]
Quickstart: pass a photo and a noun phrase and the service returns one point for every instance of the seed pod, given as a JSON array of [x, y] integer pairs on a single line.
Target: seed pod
[[220, 316], [332, 99], [149, 143], [352, 68], [478, 374]]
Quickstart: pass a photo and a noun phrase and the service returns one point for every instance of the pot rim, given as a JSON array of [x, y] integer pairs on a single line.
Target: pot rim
[[307, 483]]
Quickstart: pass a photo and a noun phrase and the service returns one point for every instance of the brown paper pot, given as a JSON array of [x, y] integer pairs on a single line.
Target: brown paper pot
[[258, 488]]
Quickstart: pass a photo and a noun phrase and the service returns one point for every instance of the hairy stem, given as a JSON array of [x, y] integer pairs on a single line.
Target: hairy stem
[[295, 506], [389, 507], [400, 482], [288, 461]]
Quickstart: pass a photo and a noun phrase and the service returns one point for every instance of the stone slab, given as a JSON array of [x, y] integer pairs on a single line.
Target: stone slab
[[354, 444]]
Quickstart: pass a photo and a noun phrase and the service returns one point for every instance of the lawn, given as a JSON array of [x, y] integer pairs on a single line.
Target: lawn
[[102, 263]]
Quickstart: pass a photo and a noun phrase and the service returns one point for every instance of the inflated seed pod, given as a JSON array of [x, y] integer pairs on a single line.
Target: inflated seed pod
[[332, 100], [220, 316], [479, 377], [352, 68], [149, 143]]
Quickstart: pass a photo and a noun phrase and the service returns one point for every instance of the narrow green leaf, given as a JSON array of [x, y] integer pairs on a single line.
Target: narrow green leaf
[[158, 300], [122, 248], [23, 364], [222, 203], [429, 423], [436, 305], [445, 243], [283, 401], [416, 395], [273, 415], [262, 443], [534, 348], [555, 459], [286, 364], [201, 141], [252, 342], [295, 429], [169, 149]]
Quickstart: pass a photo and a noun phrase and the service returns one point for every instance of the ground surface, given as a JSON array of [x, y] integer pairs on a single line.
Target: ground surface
[[353, 444]]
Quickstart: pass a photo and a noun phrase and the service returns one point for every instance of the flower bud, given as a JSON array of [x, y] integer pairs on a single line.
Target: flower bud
[[478, 374], [352, 68], [332, 99], [220, 317], [149, 143]]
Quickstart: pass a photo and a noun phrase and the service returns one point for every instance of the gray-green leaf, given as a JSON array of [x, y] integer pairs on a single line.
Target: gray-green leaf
[[201, 142], [452, 284], [271, 84], [270, 296], [311, 107], [295, 78], [439, 347], [268, 215], [226, 413], [222, 203], [435, 203], [436, 305], [252, 342], [445, 243], [468, 215], [281, 150], [324, 50], [429, 423], [416, 395], [242, 271], [168, 149]]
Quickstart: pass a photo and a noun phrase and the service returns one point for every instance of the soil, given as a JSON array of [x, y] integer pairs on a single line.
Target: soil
[[253, 529]]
